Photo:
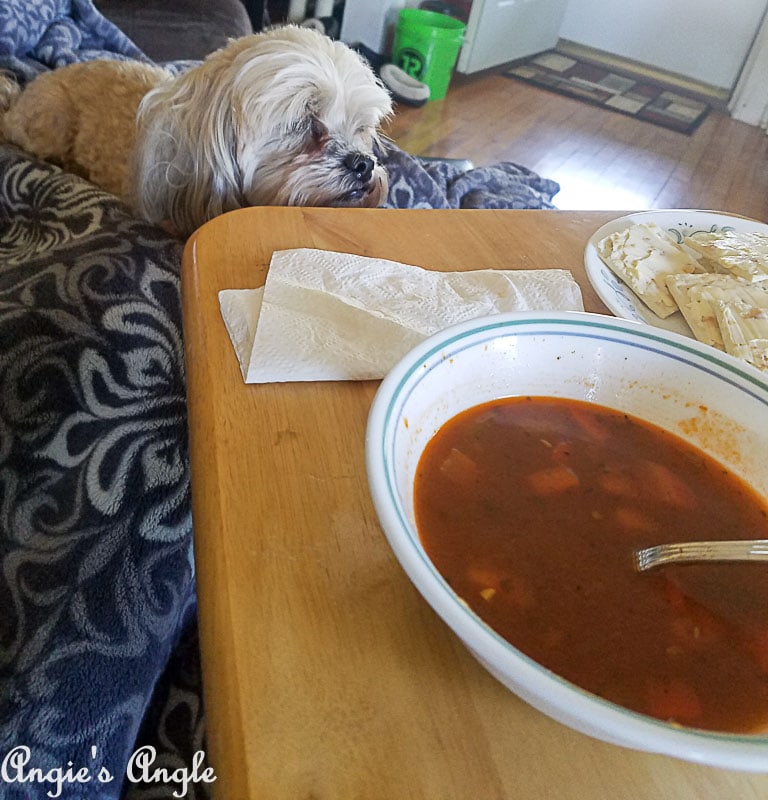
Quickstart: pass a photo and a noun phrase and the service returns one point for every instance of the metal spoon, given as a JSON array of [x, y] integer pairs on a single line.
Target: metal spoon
[[681, 552]]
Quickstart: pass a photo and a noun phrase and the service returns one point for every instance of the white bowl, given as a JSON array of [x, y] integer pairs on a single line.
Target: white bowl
[[707, 397]]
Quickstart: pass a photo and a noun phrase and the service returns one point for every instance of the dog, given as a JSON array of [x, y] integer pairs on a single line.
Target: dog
[[283, 117]]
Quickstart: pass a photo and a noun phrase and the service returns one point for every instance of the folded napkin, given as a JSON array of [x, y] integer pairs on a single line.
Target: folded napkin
[[335, 316]]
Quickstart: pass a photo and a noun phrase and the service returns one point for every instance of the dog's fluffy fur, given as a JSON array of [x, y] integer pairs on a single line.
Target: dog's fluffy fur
[[284, 117]]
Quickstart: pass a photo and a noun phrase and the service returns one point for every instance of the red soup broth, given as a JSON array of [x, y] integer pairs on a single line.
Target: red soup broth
[[531, 508]]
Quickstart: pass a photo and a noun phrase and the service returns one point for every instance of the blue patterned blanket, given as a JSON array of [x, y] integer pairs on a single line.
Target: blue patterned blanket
[[97, 587], [36, 35], [98, 648]]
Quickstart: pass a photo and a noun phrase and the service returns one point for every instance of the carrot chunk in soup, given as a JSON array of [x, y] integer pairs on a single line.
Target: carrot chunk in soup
[[675, 701], [535, 531], [460, 469], [590, 425], [666, 485], [631, 518], [617, 483], [553, 480]]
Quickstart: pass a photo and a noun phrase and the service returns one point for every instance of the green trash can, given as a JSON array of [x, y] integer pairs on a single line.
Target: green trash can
[[426, 46]]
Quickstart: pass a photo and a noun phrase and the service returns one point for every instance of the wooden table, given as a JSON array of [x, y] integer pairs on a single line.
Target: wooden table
[[327, 677]]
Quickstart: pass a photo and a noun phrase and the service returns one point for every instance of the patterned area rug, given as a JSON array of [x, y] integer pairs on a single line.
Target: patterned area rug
[[639, 97]]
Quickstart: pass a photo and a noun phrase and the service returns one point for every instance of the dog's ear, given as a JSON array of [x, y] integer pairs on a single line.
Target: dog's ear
[[185, 168]]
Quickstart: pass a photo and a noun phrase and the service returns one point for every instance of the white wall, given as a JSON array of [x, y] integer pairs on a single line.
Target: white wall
[[707, 40]]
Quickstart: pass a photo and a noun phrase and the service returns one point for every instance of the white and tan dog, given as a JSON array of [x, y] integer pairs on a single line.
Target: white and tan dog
[[284, 117]]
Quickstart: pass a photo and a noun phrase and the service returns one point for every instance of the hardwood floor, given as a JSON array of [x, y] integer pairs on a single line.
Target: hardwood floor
[[601, 159]]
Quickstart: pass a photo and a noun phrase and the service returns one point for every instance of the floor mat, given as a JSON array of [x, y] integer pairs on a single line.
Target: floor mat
[[639, 97]]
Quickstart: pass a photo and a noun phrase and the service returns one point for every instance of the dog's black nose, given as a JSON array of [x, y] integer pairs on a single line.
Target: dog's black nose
[[360, 164]]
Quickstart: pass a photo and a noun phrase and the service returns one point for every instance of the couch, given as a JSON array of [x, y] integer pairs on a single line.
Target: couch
[[172, 30]]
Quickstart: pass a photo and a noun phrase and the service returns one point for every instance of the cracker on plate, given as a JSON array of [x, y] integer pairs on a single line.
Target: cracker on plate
[[643, 255], [697, 295], [740, 253], [744, 328]]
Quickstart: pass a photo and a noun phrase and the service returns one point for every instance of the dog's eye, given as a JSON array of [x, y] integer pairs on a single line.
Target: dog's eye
[[317, 130], [378, 150]]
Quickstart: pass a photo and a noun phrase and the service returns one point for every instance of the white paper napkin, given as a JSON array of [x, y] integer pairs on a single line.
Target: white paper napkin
[[335, 316]]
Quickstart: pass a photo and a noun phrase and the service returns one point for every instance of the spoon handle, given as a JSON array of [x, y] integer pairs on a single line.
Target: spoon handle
[[736, 550]]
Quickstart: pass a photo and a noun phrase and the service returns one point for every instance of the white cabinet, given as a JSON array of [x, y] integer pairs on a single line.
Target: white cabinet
[[504, 30], [371, 22]]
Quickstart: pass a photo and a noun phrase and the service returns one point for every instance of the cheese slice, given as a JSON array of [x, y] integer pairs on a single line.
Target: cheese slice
[[744, 328], [643, 256], [697, 295], [740, 253]]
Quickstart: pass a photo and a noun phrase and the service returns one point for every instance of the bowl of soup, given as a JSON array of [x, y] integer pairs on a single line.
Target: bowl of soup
[[517, 462]]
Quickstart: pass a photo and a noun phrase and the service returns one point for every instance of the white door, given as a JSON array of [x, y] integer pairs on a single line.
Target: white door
[[505, 30]]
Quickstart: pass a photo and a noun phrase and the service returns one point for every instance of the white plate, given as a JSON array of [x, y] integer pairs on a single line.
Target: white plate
[[619, 298]]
